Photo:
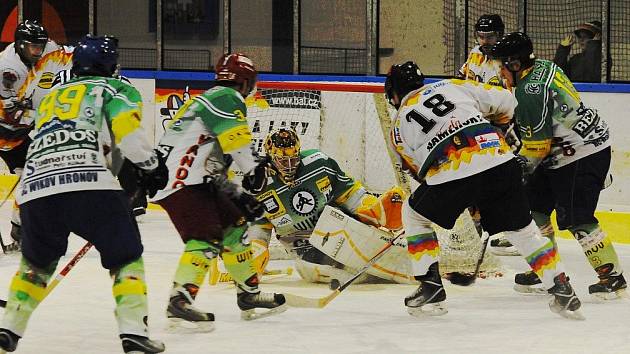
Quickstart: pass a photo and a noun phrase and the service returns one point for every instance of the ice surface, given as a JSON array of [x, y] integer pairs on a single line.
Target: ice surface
[[488, 317]]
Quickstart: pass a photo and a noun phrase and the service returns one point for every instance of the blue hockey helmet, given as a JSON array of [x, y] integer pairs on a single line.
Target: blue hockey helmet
[[95, 56]]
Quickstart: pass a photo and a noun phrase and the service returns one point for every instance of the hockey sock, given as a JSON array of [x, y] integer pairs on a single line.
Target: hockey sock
[[193, 266], [130, 293], [598, 249], [238, 259], [423, 250], [543, 222], [27, 290], [539, 252]]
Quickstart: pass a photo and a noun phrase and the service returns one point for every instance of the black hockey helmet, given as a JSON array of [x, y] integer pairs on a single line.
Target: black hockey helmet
[[402, 79], [95, 56], [30, 41], [513, 47], [490, 23]]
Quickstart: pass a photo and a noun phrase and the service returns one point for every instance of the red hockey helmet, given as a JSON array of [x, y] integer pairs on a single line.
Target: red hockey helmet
[[237, 68]]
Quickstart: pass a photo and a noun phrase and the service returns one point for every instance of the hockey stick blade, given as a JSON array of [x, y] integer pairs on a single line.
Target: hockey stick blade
[[3, 303], [318, 303], [466, 279]]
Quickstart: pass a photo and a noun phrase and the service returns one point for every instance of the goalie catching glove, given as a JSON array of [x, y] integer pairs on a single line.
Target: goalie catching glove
[[384, 211]]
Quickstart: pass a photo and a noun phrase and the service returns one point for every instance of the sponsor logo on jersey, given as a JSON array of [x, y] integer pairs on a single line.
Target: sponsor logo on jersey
[[589, 119], [273, 205], [313, 157], [63, 140], [282, 221], [488, 140], [323, 184], [46, 80], [303, 202], [293, 99], [533, 89], [9, 77], [439, 137], [396, 136]]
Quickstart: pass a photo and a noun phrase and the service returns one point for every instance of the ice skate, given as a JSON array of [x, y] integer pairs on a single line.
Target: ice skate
[[8, 341], [609, 288], [565, 302], [429, 298], [139, 213], [183, 317], [249, 302], [500, 246], [528, 283], [133, 344]]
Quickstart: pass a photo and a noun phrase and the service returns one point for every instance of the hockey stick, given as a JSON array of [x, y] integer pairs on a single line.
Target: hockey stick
[[2, 244], [465, 279], [300, 301], [225, 277], [62, 274]]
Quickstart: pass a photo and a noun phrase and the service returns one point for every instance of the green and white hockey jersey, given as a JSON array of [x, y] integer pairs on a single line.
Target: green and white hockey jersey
[[293, 209], [556, 128], [73, 122], [203, 130]]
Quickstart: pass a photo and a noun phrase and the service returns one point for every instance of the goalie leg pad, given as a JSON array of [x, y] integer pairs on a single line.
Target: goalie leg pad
[[352, 243], [538, 252], [130, 293], [27, 290]]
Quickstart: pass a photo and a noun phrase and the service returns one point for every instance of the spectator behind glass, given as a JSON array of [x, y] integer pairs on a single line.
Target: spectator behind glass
[[584, 66]]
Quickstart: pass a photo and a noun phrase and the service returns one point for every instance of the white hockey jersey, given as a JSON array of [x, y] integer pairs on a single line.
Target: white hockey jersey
[[479, 67], [442, 131], [14, 125]]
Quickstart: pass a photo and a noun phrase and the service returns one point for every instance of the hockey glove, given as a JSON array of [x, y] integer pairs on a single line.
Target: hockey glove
[[523, 164], [255, 181], [251, 208], [155, 180]]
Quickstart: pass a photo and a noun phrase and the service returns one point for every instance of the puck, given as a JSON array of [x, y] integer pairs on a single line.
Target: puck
[[334, 284]]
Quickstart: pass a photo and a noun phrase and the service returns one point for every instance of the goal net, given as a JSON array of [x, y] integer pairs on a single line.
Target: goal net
[[350, 122]]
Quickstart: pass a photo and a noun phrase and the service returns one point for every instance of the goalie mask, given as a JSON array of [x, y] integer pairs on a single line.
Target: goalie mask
[[488, 30], [283, 148], [402, 79]]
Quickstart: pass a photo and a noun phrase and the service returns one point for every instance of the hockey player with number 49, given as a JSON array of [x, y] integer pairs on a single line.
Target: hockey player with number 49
[[302, 183], [67, 186], [566, 157], [443, 137]]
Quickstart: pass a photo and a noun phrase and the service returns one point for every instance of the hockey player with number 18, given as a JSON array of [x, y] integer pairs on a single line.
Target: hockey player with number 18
[[67, 187], [443, 139]]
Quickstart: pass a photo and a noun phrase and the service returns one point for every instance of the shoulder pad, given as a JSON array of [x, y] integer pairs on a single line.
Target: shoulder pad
[[312, 155]]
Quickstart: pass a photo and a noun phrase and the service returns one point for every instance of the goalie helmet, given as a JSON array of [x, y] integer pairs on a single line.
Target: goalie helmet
[[515, 50], [402, 79], [30, 40], [283, 148], [236, 68], [95, 56]]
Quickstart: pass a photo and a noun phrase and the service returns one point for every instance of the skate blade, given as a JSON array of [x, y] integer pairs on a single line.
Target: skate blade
[[250, 315], [615, 295], [435, 309], [181, 326], [572, 315], [530, 290]]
